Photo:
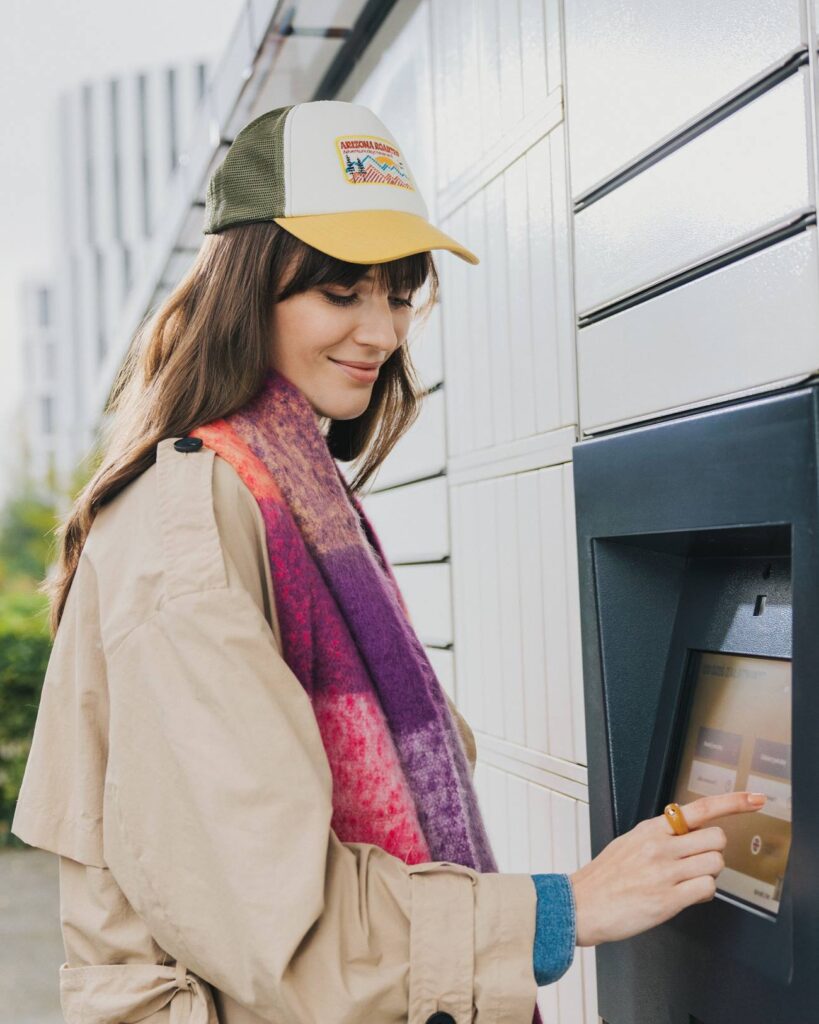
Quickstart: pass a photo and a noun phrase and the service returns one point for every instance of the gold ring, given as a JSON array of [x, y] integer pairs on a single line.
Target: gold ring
[[676, 819]]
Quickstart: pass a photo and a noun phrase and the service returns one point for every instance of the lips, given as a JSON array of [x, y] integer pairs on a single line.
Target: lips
[[364, 372], [356, 366]]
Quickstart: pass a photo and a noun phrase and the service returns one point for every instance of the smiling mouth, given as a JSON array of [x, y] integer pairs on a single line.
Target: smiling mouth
[[365, 375]]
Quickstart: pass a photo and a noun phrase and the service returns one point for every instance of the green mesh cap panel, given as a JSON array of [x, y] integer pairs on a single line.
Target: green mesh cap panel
[[249, 183]]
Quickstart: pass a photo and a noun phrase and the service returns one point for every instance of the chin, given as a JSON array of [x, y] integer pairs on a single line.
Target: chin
[[345, 413], [342, 410]]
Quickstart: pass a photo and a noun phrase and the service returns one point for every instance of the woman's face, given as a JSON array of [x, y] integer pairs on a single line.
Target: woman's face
[[316, 331]]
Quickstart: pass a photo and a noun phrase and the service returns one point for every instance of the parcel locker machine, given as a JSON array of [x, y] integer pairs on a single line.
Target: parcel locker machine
[[698, 548]]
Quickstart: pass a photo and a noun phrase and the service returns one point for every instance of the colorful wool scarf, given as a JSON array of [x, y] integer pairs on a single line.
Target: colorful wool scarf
[[400, 775], [401, 779]]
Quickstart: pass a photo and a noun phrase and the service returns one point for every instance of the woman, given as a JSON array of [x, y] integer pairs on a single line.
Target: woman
[[259, 793]]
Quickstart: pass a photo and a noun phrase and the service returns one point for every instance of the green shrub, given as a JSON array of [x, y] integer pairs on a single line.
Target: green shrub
[[25, 646]]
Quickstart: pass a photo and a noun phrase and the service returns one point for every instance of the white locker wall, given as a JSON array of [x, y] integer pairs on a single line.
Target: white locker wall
[[475, 505], [694, 195], [639, 184]]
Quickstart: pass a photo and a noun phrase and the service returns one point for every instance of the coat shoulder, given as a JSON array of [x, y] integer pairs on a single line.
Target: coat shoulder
[[187, 522]]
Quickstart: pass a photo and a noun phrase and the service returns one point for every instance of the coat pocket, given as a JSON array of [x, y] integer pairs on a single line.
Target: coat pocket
[[135, 994]]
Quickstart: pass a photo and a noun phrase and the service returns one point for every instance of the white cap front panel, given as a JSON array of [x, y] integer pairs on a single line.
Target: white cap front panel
[[339, 157]]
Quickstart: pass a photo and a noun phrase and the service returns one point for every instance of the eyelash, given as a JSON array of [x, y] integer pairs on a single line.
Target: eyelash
[[348, 300]]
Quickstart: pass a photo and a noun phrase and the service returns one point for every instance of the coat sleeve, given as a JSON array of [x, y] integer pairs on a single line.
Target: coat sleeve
[[217, 809]]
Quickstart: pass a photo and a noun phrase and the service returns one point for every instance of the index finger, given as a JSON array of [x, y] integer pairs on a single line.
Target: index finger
[[706, 808]]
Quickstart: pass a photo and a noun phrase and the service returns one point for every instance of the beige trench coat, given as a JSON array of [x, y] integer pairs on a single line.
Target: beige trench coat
[[178, 771]]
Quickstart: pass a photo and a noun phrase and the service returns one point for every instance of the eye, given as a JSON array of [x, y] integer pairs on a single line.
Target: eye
[[340, 300], [348, 300]]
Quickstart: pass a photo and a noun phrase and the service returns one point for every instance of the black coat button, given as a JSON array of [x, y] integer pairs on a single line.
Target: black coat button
[[441, 1018], [188, 444]]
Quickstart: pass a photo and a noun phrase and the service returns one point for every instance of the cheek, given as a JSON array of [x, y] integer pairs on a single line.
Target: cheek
[[302, 330]]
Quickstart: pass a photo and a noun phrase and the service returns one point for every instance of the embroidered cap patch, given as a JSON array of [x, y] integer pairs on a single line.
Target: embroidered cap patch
[[369, 160]]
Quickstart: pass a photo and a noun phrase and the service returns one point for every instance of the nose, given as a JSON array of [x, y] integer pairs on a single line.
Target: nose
[[375, 328]]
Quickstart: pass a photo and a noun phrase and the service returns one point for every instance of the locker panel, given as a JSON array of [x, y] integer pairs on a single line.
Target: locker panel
[[563, 269], [533, 62], [566, 854], [533, 651], [442, 664], [454, 301], [509, 683], [446, 63], [511, 80], [572, 596], [639, 71], [520, 327], [421, 452], [426, 591], [505, 58], [552, 323], [412, 521], [541, 857], [468, 112], [518, 824], [708, 338], [516, 604], [586, 953], [496, 283], [426, 347], [494, 116], [498, 825], [509, 323], [465, 572], [742, 176], [555, 614], [478, 342], [489, 616]]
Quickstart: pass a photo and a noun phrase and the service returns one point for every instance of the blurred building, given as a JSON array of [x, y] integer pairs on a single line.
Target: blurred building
[[41, 385], [120, 141]]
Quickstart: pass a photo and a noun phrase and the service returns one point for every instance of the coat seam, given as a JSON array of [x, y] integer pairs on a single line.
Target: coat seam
[[110, 652]]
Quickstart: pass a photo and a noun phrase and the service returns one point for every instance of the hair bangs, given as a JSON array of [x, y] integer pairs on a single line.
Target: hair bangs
[[312, 268]]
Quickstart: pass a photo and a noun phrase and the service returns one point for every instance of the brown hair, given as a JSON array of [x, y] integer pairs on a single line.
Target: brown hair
[[204, 353]]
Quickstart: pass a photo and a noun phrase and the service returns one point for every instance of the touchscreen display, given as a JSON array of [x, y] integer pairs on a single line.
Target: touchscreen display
[[738, 737]]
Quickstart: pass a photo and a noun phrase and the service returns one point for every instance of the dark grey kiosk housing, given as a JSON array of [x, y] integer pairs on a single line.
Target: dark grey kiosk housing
[[698, 548]]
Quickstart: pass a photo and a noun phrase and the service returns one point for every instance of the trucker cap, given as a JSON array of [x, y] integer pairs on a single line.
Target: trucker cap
[[330, 173]]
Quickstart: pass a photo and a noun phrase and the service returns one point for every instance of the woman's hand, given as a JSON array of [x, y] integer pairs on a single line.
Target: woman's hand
[[649, 874]]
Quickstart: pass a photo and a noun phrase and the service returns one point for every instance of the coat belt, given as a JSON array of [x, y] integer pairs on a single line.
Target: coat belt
[[127, 993]]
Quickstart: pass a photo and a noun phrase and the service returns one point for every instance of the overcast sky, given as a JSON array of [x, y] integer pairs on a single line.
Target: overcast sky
[[47, 46]]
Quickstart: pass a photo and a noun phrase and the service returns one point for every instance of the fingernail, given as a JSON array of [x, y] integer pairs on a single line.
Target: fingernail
[[758, 799]]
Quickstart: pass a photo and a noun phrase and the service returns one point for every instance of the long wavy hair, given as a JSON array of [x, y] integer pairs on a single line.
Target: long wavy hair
[[204, 353]]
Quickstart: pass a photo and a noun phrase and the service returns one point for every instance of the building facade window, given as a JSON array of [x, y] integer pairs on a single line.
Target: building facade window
[[88, 159], [127, 272], [43, 307], [144, 162], [47, 414], [201, 80], [49, 361], [173, 127], [116, 155], [99, 288]]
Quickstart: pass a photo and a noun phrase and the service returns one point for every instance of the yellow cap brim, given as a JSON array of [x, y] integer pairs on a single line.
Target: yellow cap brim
[[371, 236]]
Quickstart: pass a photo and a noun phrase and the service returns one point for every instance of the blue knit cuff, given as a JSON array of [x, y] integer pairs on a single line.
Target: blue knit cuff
[[555, 927]]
